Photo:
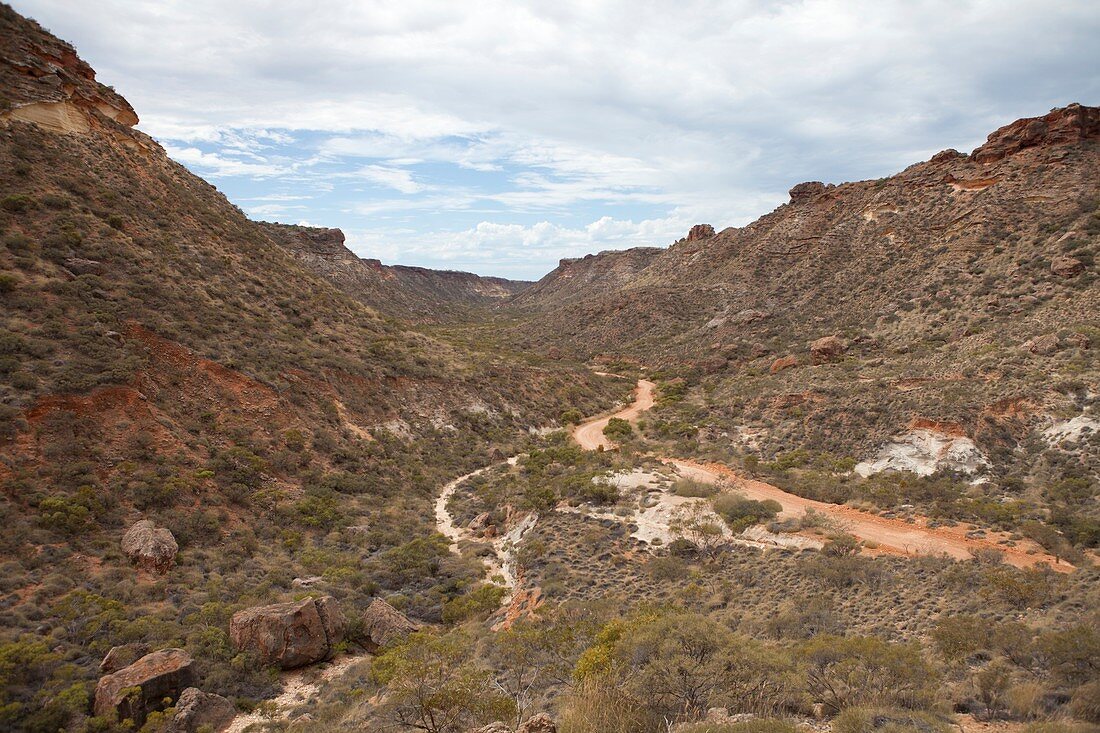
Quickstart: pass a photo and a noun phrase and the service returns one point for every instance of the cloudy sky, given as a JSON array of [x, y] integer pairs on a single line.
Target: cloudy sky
[[497, 137]]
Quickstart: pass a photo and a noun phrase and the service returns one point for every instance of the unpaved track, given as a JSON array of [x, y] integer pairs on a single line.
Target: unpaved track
[[893, 536], [590, 432]]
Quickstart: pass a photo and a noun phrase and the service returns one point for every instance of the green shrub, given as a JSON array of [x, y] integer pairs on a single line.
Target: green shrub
[[693, 489], [740, 513], [17, 202], [887, 720]]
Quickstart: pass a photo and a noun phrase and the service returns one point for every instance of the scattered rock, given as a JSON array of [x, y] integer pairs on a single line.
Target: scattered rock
[[197, 710], [541, 723], [1044, 345], [827, 348], [749, 315], [150, 547], [383, 625], [121, 656], [1080, 340], [289, 634], [784, 362], [700, 231], [480, 522], [553, 353], [1064, 266], [140, 688], [307, 582]]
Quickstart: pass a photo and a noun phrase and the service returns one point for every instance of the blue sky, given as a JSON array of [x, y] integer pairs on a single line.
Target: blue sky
[[498, 137]]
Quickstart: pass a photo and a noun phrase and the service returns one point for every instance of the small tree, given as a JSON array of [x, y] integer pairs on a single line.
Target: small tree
[[434, 685], [618, 430]]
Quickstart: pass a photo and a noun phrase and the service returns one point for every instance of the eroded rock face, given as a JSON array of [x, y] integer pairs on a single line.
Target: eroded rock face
[[134, 691], [700, 231], [197, 710], [924, 451], [803, 192], [384, 625], [828, 348], [150, 547], [1064, 125], [289, 634]]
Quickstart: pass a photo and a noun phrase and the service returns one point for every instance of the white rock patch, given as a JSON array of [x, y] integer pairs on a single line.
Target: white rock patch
[[1071, 430], [924, 452]]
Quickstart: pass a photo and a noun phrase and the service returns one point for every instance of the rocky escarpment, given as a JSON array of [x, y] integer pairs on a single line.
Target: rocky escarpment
[[579, 278], [45, 82], [416, 292]]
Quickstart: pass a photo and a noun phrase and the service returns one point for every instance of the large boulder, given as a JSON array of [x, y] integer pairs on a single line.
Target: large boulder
[[197, 710], [150, 547], [142, 687], [289, 634], [803, 192], [384, 625], [827, 348], [1044, 345], [700, 231]]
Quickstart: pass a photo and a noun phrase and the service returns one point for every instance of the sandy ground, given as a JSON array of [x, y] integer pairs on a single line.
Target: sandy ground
[[893, 536]]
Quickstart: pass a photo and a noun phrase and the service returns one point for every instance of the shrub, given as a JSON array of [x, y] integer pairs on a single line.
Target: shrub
[[618, 430], [859, 671], [886, 720], [693, 489], [17, 202], [479, 604], [741, 513]]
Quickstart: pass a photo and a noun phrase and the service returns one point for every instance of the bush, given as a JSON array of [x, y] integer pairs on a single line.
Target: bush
[[479, 604], [741, 513], [17, 202], [618, 430], [860, 671], [694, 489]]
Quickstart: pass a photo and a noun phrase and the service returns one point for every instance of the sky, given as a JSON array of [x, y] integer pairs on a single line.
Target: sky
[[498, 137]]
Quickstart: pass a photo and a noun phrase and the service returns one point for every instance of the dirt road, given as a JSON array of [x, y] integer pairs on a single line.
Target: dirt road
[[589, 434], [893, 536]]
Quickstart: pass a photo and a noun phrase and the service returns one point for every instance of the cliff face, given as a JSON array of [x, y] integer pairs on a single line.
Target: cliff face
[[413, 292], [45, 82]]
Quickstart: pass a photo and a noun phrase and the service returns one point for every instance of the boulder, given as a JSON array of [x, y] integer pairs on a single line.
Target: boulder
[[784, 362], [827, 348], [1063, 125], [197, 710], [700, 231], [150, 547], [541, 723], [1063, 266], [289, 634], [383, 625], [121, 656], [140, 688], [1044, 345], [1080, 340], [81, 266]]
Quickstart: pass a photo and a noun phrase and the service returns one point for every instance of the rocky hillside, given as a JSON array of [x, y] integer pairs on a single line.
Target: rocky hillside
[[171, 373], [411, 292], [575, 279], [961, 291]]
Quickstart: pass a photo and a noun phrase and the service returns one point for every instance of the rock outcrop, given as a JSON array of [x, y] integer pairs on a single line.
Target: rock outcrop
[[150, 547], [142, 687], [827, 348], [700, 231], [803, 192], [289, 634], [1063, 125], [201, 711], [384, 625], [1044, 345]]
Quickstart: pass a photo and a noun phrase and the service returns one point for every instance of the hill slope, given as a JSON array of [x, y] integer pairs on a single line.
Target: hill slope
[[416, 292]]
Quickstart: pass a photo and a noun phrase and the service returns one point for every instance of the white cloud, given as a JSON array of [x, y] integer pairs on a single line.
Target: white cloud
[[553, 113]]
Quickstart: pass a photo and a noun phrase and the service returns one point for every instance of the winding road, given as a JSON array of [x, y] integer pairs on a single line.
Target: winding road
[[890, 536]]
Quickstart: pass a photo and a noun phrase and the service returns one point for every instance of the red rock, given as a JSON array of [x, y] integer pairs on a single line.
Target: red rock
[[700, 231], [827, 348], [383, 625], [150, 547], [134, 691], [785, 362], [1064, 125], [804, 192], [289, 634], [1044, 345]]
